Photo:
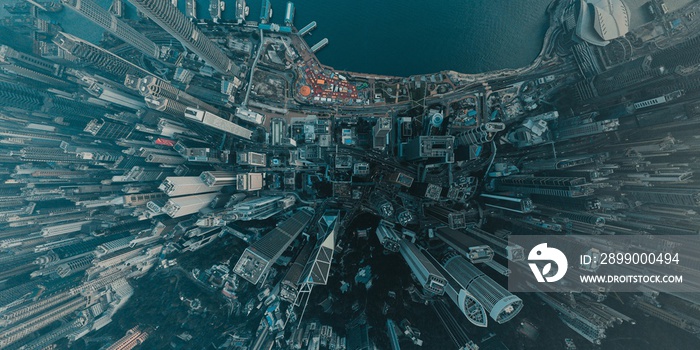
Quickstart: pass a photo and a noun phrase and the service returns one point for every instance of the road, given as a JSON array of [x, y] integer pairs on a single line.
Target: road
[[252, 69]]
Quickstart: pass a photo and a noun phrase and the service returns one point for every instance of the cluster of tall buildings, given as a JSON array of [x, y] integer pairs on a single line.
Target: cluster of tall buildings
[[109, 168]]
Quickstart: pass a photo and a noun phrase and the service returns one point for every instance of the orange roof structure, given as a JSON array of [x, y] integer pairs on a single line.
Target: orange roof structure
[[305, 91]]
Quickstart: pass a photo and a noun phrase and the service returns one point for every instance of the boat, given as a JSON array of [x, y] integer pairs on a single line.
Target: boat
[[215, 10], [191, 9], [247, 10], [270, 12], [223, 6]]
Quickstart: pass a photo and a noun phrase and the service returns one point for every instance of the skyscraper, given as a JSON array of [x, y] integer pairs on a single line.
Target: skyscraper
[[474, 250], [501, 305], [479, 135], [175, 186], [185, 205], [97, 56], [259, 208], [380, 131], [174, 22], [427, 274], [436, 148], [257, 259], [112, 24]]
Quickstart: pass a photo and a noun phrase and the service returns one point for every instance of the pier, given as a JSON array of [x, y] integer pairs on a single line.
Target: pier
[[319, 45], [289, 14], [309, 27]]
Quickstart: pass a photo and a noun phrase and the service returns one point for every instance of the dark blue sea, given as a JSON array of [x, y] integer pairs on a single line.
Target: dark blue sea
[[398, 37]]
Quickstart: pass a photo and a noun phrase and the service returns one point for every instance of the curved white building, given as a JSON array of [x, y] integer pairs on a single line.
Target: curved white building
[[600, 21], [479, 295]]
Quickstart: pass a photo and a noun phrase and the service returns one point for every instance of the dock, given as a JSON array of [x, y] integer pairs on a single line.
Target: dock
[[319, 45], [307, 28]]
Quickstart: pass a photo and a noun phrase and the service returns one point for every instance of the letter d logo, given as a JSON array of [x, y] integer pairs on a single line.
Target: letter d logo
[[543, 253]]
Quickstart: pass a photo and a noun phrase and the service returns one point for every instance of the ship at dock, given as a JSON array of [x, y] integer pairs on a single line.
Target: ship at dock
[[191, 9], [215, 9], [241, 10]]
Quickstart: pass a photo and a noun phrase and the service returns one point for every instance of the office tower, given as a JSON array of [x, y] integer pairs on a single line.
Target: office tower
[[361, 169], [289, 288], [586, 129], [466, 302], [201, 154], [218, 178], [257, 259], [383, 207], [259, 208], [12, 335], [108, 130], [318, 267], [429, 277], [514, 204], [251, 158], [97, 56], [404, 216], [588, 318], [174, 22], [109, 22], [19, 96], [32, 67], [250, 181], [165, 105], [500, 246], [482, 134], [63, 331], [279, 132], [156, 88], [143, 174], [175, 186], [455, 219], [40, 65], [571, 187], [380, 132], [163, 158], [133, 338], [213, 121], [474, 250], [116, 95], [432, 148], [687, 197], [388, 237], [400, 178], [497, 302], [426, 190], [180, 206]]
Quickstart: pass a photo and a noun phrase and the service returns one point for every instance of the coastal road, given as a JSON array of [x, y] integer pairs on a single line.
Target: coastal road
[[252, 68]]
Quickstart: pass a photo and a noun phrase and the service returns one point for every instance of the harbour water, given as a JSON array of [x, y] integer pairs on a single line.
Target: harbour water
[[396, 37]]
